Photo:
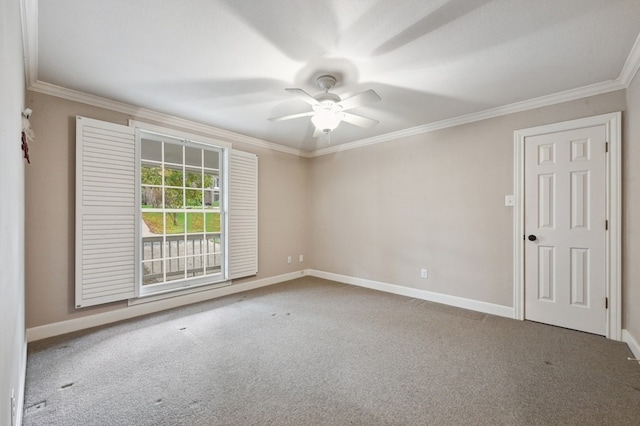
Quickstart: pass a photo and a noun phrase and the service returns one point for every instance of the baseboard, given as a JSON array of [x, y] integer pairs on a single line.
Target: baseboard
[[632, 343], [459, 302], [82, 323]]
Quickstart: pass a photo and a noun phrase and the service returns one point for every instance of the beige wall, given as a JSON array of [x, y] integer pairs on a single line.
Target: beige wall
[[12, 327], [434, 200], [50, 188], [631, 212]]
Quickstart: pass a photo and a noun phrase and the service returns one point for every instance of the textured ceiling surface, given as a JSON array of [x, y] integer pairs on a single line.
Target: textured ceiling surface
[[226, 63]]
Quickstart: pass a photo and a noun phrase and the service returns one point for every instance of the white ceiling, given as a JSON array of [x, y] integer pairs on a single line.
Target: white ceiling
[[226, 63]]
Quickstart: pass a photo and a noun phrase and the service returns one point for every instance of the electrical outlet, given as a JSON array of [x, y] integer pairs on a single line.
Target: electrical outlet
[[424, 273], [289, 259], [301, 258]]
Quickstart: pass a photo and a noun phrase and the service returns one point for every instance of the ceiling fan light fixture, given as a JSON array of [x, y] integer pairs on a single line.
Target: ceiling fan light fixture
[[328, 108], [327, 120]]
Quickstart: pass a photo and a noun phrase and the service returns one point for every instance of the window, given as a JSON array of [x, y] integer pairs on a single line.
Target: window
[[182, 213], [159, 210]]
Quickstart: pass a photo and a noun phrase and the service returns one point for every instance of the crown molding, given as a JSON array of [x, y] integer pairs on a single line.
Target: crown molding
[[632, 64], [166, 119], [555, 98]]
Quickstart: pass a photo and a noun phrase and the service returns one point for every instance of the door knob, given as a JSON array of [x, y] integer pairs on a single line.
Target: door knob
[[532, 237]]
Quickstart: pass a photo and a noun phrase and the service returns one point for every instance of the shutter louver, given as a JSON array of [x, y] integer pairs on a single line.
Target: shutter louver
[[105, 212], [243, 214]]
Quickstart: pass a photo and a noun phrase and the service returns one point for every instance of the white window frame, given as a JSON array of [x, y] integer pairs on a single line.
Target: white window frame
[[187, 139], [170, 285]]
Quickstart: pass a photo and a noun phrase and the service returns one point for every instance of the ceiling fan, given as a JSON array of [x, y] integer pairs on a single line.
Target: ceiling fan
[[328, 110]]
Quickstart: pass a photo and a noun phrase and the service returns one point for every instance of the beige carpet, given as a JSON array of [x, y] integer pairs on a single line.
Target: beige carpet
[[315, 352]]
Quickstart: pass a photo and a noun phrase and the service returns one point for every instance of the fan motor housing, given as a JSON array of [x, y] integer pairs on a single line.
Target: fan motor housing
[[326, 96], [326, 82]]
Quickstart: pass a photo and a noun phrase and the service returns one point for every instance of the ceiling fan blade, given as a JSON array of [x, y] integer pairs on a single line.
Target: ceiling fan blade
[[289, 117], [363, 98], [359, 120], [303, 96]]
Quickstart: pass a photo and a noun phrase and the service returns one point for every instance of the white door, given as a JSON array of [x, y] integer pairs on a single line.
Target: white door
[[564, 224]]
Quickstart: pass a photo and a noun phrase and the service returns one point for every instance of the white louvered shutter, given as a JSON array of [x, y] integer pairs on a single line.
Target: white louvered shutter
[[105, 212], [243, 214]]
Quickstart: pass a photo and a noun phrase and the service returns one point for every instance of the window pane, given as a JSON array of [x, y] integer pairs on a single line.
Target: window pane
[[213, 263], [195, 266], [211, 159], [174, 246], [152, 223], [196, 244], [211, 200], [193, 198], [173, 198], [195, 222], [213, 243], [193, 178], [192, 156], [210, 180], [175, 269], [172, 153], [151, 174], [173, 176], [151, 247], [152, 272], [174, 223], [213, 222], [151, 150], [150, 197]]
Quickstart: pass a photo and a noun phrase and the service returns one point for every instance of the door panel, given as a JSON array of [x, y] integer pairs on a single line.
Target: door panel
[[546, 273], [546, 201], [565, 209], [580, 276]]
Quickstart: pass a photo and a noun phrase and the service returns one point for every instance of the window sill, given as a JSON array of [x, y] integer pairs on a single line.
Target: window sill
[[176, 293]]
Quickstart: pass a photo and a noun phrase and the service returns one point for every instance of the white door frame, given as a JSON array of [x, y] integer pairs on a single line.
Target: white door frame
[[613, 240]]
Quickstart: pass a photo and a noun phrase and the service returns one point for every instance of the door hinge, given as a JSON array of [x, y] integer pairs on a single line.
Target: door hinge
[[606, 225], [606, 147], [606, 303]]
